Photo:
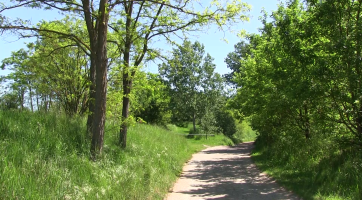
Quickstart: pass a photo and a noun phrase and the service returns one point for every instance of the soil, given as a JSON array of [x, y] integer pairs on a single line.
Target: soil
[[225, 172]]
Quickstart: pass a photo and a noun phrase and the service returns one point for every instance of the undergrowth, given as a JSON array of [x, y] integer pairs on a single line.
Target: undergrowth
[[314, 168], [46, 156]]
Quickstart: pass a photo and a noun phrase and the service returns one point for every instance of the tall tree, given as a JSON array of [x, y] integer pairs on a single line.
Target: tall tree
[[145, 21], [191, 80], [52, 68], [233, 60], [140, 21]]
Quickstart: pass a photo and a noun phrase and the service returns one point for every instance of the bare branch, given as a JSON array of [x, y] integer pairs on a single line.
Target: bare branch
[[70, 36], [16, 6]]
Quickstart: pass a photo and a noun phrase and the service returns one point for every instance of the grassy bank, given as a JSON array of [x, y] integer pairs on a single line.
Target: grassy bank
[[313, 169], [46, 156]]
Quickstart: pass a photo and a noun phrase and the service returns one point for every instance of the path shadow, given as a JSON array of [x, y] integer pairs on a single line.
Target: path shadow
[[234, 177]]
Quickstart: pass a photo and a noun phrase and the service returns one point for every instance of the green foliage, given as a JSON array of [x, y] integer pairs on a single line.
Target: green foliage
[[9, 100], [208, 123], [135, 25], [244, 132], [226, 122], [53, 70], [149, 98], [233, 61], [301, 92], [52, 151], [192, 83], [153, 100]]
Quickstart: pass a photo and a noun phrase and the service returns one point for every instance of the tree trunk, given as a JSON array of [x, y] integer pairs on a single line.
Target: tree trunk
[[125, 114], [194, 122], [31, 98], [127, 80], [92, 29], [37, 101], [306, 123], [359, 124], [50, 101], [22, 94], [92, 93], [127, 86], [101, 82]]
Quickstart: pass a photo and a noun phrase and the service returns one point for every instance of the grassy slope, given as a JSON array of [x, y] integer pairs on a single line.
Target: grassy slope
[[47, 157], [313, 169]]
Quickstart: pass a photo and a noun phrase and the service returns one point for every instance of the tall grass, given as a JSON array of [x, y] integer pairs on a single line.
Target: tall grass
[[314, 169], [46, 156]]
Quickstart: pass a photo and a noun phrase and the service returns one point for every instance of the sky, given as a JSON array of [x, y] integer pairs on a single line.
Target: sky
[[212, 39]]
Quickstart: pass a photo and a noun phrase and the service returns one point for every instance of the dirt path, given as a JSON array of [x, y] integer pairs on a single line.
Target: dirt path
[[224, 172]]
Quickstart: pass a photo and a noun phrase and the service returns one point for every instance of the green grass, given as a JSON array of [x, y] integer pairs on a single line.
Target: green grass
[[313, 169], [46, 156], [199, 142]]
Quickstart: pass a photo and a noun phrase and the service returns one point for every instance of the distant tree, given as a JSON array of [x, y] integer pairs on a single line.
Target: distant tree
[[10, 100], [191, 80], [152, 100], [233, 61], [53, 69]]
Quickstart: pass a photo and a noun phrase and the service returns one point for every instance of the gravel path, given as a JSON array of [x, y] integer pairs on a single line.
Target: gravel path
[[224, 172]]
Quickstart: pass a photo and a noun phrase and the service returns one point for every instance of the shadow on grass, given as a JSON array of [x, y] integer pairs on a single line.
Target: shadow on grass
[[332, 176]]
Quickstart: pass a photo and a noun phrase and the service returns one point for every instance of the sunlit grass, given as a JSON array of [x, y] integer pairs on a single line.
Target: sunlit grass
[[313, 169], [46, 156]]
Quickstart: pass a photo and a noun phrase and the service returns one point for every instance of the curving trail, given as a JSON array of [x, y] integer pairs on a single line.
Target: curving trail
[[224, 172]]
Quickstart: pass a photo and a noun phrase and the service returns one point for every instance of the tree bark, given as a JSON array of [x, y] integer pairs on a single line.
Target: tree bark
[[307, 124], [37, 101], [92, 32], [22, 95], [127, 80], [92, 93], [194, 122], [125, 114], [31, 99], [101, 81]]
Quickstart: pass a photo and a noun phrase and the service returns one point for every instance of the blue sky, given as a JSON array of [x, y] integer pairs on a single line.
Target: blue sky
[[212, 38]]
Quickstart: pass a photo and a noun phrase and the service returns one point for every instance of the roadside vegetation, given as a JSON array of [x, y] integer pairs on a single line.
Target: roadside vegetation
[[80, 119], [299, 84], [46, 156], [316, 169]]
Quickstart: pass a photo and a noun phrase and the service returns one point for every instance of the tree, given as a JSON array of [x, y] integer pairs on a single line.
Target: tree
[[51, 68], [144, 21], [233, 60], [151, 103], [139, 23], [97, 25], [276, 77], [191, 80], [304, 72]]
